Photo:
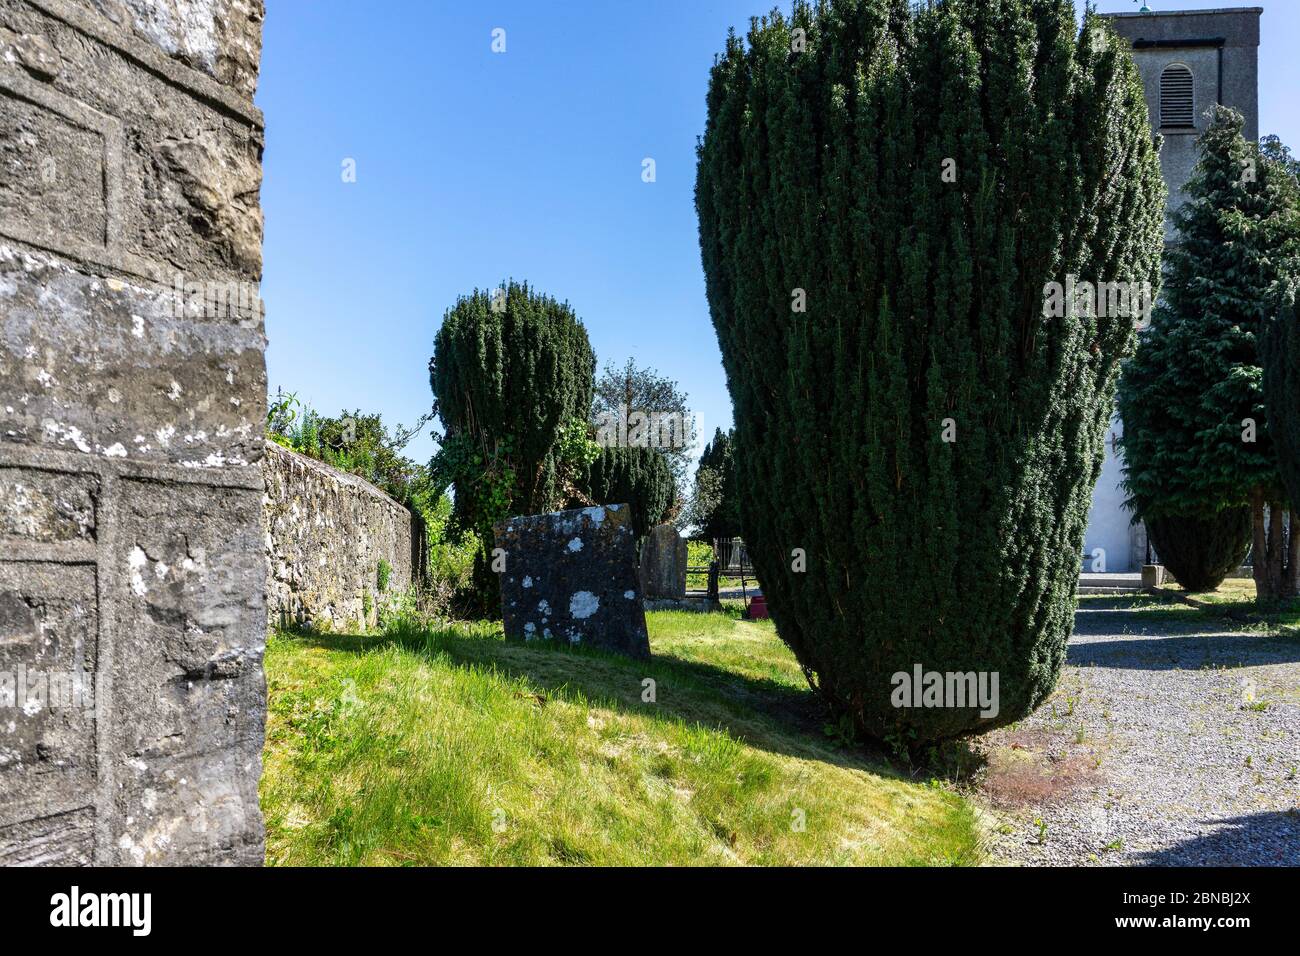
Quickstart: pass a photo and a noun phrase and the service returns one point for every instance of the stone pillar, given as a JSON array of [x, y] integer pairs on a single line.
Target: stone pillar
[[132, 405], [663, 564]]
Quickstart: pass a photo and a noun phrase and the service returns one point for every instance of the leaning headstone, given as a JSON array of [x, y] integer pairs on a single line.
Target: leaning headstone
[[572, 576], [663, 564]]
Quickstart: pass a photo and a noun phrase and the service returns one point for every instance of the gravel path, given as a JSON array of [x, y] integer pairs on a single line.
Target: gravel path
[[1172, 739]]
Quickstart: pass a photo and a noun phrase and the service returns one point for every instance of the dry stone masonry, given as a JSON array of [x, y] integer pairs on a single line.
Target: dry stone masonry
[[571, 576], [132, 402], [326, 533]]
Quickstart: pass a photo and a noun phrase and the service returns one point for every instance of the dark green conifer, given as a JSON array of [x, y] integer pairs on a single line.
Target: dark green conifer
[[723, 517], [639, 477], [1201, 550], [920, 432], [1197, 441], [512, 376]]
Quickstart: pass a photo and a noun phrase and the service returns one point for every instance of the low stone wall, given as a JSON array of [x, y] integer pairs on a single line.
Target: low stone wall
[[326, 532]]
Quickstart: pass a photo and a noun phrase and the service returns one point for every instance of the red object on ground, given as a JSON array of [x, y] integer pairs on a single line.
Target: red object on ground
[[757, 607]]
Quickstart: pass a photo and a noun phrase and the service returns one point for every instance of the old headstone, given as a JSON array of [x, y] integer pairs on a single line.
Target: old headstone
[[663, 564], [572, 576], [132, 405]]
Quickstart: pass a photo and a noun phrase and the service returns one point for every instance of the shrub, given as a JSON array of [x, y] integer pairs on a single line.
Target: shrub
[[884, 191], [354, 442], [1201, 551]]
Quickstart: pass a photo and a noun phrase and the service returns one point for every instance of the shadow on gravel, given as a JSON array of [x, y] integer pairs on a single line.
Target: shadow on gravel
[[1261, 839], [1159, 652]]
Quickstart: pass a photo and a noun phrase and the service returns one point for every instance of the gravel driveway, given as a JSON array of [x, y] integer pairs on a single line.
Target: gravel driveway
[[1172, 739]]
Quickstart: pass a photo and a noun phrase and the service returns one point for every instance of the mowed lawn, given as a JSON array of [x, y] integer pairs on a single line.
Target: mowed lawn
[[452, 746]]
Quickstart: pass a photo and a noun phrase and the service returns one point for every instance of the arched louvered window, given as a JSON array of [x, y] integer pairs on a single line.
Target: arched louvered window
[[1176, 98]]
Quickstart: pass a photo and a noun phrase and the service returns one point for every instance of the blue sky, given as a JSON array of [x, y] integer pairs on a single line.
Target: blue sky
[[473, 166]]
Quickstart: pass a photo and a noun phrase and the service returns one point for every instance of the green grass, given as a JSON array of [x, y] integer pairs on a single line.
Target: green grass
[[1139, 607], [451, 746], [698, 554], [1235, 598]]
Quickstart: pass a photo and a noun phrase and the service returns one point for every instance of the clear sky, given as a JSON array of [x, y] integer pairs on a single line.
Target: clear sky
[[474, 166]]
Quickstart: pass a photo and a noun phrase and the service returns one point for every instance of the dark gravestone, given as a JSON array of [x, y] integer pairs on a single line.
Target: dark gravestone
[[572, 576], [663, 564]]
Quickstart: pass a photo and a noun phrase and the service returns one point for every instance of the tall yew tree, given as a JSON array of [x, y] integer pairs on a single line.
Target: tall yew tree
[[883, 193], [1280, 339], [512, 376], [1197, 442]]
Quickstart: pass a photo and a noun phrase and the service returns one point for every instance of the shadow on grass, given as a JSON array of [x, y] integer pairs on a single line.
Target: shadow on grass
[[758, 711], [793, 721]]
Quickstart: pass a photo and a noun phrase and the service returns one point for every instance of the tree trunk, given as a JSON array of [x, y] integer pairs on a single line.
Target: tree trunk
[[1291, 582], [1259, 547], [1276, 549]]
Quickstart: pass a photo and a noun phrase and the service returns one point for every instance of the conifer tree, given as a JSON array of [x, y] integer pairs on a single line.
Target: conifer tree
[[1197, 440], [1201, 550], [884, 192], [1280, 347], [512, 376], [641, 478], [718, 471], [1280, 341]]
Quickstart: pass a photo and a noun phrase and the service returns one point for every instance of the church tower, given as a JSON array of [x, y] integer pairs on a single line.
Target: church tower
[[1189, 60]]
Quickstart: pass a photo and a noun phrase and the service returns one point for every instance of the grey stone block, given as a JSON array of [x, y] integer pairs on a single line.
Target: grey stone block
[[663, 564], [46, 506]]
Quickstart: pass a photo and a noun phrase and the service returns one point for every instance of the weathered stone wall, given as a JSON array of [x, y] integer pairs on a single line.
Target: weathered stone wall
[[132, 571], [326, 533]]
